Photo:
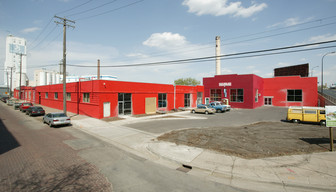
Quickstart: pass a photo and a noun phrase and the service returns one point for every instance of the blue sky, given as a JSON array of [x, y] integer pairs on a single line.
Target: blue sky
[[121, 32]]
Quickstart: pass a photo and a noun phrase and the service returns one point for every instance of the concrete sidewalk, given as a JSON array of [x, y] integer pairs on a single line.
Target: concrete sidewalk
[[308, 172]]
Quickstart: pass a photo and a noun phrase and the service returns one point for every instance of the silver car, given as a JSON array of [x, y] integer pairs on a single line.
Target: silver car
[[203, 109], [55, 119]]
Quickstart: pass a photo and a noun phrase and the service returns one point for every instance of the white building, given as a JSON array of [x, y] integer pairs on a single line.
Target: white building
[[44, 77], [16, 51], [70, 79]]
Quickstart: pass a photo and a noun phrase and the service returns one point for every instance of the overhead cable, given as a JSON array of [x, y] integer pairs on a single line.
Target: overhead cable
[[200, 59], [122, 7]]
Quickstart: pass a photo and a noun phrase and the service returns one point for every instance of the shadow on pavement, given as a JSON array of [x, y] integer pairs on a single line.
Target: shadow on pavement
[[7, 140], [318, 141], [80, 177]]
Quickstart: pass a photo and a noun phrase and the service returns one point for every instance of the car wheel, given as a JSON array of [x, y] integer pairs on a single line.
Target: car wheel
[[193, 111], [218, 111], [323, 123], [296, 121], [206, 112], [50, 125]]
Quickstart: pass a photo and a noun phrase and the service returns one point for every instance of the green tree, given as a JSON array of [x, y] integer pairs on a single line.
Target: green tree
[[187, 81]]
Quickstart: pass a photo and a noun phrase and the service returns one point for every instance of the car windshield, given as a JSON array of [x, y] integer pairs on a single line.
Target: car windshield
[[39, 108], [59, 115], [27, 104]]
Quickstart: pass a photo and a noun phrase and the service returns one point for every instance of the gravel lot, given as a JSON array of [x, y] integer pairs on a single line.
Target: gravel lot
[[258, 140], [247, 133]]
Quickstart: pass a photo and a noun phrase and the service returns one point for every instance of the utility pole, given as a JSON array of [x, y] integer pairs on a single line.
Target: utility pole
[[21, 54], [11, 80], [98, 72], [65, 24]]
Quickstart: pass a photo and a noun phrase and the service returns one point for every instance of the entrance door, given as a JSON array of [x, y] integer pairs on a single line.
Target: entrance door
[[199, 98], [107, 109], [268, 101], [125, 103]]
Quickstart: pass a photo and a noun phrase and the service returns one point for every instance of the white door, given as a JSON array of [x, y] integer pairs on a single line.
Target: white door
[[107, 109]]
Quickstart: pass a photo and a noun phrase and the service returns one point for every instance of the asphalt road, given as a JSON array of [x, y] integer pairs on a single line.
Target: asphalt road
[[35, 157], [330, 92], [235, 117]]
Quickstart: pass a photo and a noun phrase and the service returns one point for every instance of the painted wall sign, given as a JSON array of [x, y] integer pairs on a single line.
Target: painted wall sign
[[224, 84]]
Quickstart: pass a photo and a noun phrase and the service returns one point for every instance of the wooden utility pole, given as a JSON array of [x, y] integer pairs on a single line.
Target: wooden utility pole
[[65, 24], [21, 54]]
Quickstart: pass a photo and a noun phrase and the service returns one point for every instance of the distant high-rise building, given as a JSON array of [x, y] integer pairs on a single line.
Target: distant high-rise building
[[16, 51]]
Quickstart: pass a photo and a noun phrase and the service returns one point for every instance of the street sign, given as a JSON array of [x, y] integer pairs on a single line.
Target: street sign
[[330, 116]]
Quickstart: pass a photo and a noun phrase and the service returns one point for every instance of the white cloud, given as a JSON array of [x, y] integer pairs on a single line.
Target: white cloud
[[222, 7], [326, 37], [165, 40], [290, 22], [30, 30]]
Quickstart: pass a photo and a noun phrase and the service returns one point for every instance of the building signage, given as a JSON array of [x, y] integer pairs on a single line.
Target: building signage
[[224, 84], [330, 116], [15, 48]]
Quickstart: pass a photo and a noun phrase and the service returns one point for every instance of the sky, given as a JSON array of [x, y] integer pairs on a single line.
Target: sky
[[133, 32]]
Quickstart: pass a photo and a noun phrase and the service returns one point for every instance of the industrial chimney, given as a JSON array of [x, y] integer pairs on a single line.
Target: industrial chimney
[[218, 64]]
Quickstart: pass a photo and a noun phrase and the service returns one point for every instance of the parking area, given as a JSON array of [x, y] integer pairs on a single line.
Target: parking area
[[246, 133]]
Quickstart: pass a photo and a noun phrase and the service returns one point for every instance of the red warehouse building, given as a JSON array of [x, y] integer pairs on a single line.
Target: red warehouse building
[[103, 98], [291, 91], [242, 91], [251, 91]]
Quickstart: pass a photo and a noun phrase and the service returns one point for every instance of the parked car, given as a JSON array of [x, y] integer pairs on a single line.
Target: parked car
[[203, 109], [17, 105], [306, 114], [218, 107], [35, 110], [24, 106], [55, 119], [10, 102], [4, 99]]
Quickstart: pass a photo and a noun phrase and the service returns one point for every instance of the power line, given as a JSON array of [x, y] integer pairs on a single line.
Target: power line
[[85, 11], [202, 59], [122, 7], [277, 29], [73, 7], [210, 45], [44, 38], [278, 34], [45, 27]]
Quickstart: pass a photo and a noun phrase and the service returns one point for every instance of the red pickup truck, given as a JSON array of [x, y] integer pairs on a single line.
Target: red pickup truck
[[25, 106]]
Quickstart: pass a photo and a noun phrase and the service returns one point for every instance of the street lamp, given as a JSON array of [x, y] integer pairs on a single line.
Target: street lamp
[[322, 69]]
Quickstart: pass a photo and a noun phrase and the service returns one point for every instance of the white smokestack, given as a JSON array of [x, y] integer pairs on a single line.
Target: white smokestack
[[218, 64]]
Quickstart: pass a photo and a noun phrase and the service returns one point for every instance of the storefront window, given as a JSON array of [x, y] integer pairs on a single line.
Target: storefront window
[[294, 95], [162, 100], [86, 97], [237, 95], [187, 100], [56, 95], [215, 95], [68, 96]]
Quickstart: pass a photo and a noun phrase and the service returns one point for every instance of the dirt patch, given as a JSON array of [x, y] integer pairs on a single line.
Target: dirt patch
[[170, 116], [112, 119], [259, 140]]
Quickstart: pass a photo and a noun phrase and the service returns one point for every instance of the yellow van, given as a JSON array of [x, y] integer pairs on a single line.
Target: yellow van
[[306, 114]]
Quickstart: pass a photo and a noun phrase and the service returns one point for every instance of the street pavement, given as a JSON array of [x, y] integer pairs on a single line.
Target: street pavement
[[307, 172]]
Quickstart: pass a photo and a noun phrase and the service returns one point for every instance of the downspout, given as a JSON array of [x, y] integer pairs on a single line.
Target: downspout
[[174, 96]]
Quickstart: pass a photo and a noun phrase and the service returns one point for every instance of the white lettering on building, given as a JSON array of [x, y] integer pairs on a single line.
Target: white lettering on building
[[224, 84]]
